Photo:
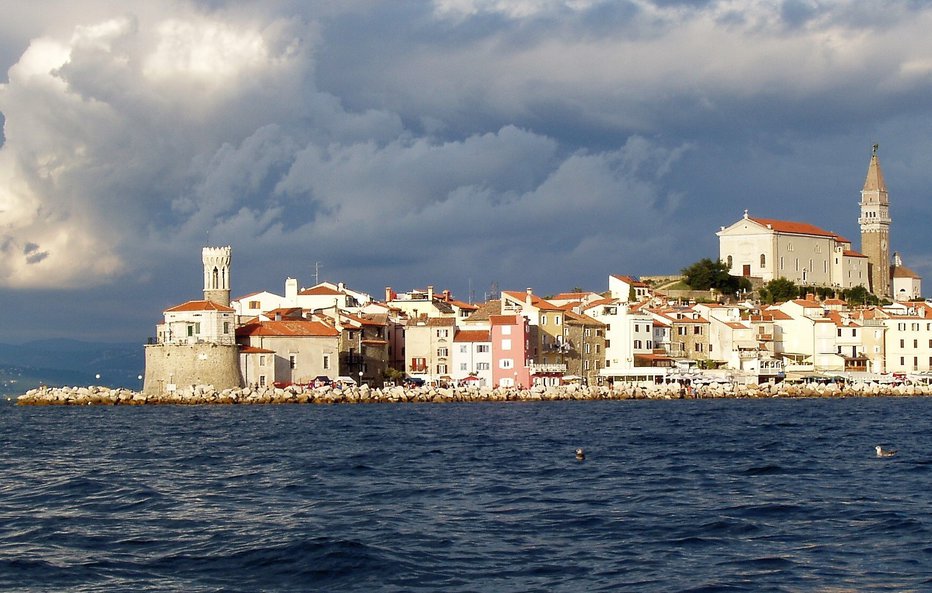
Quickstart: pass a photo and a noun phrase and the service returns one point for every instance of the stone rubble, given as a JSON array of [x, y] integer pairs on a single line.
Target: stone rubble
[[207, 394]]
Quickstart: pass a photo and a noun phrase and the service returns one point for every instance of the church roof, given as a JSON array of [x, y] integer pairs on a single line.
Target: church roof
[[795, 228], [903, 272], [874, 180]]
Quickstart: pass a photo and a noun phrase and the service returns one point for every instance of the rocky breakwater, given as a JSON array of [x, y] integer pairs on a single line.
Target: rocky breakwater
[[206, 394]]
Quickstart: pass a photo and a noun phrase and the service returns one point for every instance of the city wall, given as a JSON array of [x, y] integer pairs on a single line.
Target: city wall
[[171, 367]]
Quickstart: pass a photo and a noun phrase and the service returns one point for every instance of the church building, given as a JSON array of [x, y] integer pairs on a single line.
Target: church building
[[808, 255], [804, 253]]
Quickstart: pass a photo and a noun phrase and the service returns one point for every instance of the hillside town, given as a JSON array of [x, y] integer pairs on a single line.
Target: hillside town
[[630, 330]]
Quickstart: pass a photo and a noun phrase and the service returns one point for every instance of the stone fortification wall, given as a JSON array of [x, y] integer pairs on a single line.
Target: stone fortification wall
[[184, 365], [208, 394]]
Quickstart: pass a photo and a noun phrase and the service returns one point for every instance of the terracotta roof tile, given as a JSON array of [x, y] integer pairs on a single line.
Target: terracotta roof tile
[[199, 306], [287, 329], [795, 228], [472, 335]]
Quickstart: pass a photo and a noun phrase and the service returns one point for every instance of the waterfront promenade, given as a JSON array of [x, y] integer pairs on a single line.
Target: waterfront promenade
[[205, 394]]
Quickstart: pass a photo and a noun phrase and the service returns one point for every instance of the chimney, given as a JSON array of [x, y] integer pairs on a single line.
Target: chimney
[[430, 293], [388, 294], [341, 287], [278, 316], [291, 292], [528, 298]]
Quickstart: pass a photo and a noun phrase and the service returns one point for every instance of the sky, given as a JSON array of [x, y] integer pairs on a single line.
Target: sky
[[463, 144]]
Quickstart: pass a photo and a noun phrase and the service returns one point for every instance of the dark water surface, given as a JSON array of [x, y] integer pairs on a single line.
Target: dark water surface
[[737, 495]]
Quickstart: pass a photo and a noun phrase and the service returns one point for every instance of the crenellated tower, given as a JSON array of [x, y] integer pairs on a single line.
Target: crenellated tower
[[217, 274], [875, 227]]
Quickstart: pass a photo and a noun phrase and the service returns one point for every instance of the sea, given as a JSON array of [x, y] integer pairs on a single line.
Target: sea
[[683, 495]]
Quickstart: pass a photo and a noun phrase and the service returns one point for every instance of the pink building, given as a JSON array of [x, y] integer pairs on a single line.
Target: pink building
[[510, 351]]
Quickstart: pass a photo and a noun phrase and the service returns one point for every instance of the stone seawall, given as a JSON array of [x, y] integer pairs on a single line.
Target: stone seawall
[[206, 394]]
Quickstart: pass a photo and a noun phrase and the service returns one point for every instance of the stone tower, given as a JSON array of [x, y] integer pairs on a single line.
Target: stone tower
[[217, 274], [875, 228]]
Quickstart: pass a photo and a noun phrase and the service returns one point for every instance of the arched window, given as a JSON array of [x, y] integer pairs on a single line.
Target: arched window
[[763, 260], [215, 283], [729, 261]]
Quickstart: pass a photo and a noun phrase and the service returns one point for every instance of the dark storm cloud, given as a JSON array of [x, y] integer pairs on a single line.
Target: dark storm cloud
[[537, 143]]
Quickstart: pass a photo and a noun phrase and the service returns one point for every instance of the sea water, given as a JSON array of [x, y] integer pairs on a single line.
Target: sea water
[[724, 495]]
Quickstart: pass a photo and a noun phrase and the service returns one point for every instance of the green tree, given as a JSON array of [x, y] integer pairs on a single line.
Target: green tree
[[778, 289], [858, 295], [706, 274]]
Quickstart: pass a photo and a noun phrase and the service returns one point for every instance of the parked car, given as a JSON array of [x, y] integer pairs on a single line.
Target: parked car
[[413, 382]]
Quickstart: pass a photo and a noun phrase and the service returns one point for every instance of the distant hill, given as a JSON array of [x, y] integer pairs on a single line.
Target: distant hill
[[69, 362]]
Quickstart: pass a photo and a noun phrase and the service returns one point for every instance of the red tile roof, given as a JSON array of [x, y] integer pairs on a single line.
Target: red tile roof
[[504, 319], [850, 253], [472, 335], [796, 228], [254, 350], [287, 329], [320, 291], [631, 281], [536, 301], [199, 306]]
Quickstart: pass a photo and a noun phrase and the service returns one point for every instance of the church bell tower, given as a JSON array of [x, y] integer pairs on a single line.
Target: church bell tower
[[875, 228], [217, 274]]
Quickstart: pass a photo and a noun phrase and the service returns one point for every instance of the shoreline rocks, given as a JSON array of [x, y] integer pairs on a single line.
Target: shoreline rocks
[[207, 395]]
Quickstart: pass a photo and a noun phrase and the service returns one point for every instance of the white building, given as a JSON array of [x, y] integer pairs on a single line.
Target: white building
[[907, 285], [196, 322], [472, 356]]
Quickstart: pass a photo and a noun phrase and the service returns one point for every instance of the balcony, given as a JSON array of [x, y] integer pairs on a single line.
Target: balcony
[[547, 368]]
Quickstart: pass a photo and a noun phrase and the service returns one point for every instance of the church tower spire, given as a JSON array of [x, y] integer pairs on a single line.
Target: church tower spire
[[875, 227]]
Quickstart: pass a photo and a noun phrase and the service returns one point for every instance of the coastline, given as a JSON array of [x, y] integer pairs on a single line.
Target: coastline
[[207, 395]]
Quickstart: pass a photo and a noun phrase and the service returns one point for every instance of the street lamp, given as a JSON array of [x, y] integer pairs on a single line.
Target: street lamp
[[360, 378]]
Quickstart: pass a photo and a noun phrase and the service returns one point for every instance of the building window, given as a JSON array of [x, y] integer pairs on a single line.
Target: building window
[[698, 347], [261, 380], [729, 261], [443, 352], [226, 327], [697, 331], [781, 262], [292, 361], [326, 363], [482, 366], [637, 345], [254, 305], [482, 348], [543, 320], [505, 363], [506, 344], [763, 260], [441, 369], [443, 333], [557, 320], [589, 346], [463, 366], [902, 343], [463, 349], [506, 330]]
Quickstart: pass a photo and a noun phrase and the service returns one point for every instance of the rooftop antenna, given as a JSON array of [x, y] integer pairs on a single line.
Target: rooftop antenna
[[316, 273]]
